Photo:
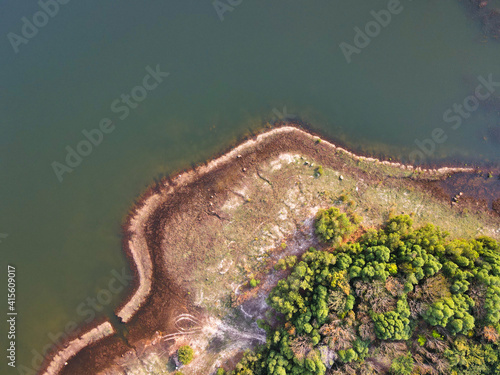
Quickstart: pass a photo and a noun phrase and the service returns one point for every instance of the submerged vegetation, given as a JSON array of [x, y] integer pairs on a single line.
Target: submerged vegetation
[[398, 300]]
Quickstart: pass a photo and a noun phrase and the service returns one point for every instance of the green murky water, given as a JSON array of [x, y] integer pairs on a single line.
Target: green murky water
[[226, 77]]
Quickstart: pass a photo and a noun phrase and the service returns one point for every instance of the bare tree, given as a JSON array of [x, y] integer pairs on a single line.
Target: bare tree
[[301, 346], [338, 336]]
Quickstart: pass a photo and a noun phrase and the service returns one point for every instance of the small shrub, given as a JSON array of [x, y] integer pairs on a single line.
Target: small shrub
[[221, 371], [436, 335], [291, 260], [402, 365], [343, 198], [356, 219], [254, 283], [281, 265], [185, 354], [421, 340], [284, 263], [319, 171]]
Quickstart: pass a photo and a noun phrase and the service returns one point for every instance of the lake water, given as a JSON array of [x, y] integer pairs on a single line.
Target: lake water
[[227, 77]]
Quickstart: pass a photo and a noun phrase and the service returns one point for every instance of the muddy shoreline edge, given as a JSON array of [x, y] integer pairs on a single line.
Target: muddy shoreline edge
[[135, 242]]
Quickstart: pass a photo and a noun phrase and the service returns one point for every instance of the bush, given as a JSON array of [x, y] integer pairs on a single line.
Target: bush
[[402, 365], [333, 226], [284, 263], [436, 335], [254, 283], [185, 354], [220, 371], [318, 171], [280, 265], [421, 340]]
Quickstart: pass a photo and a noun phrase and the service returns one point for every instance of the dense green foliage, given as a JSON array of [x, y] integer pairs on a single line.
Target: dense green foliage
[[333, 226], [402, 365], [399, 301], [185, 354]]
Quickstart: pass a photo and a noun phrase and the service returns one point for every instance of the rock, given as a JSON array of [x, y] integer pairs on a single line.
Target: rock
[[341, 177]]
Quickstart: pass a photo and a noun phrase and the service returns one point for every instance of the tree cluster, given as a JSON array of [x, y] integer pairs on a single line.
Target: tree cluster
[[404, 299]]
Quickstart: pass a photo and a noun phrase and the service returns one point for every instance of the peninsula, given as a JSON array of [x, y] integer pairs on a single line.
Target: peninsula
[[209, 246]]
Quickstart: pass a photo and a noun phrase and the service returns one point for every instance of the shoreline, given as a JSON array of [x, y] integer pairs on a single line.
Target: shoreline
[[137, 251], [74, 346], [135, 230]]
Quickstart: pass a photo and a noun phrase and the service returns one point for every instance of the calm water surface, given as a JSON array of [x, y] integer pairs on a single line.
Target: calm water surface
[[226, 77]]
